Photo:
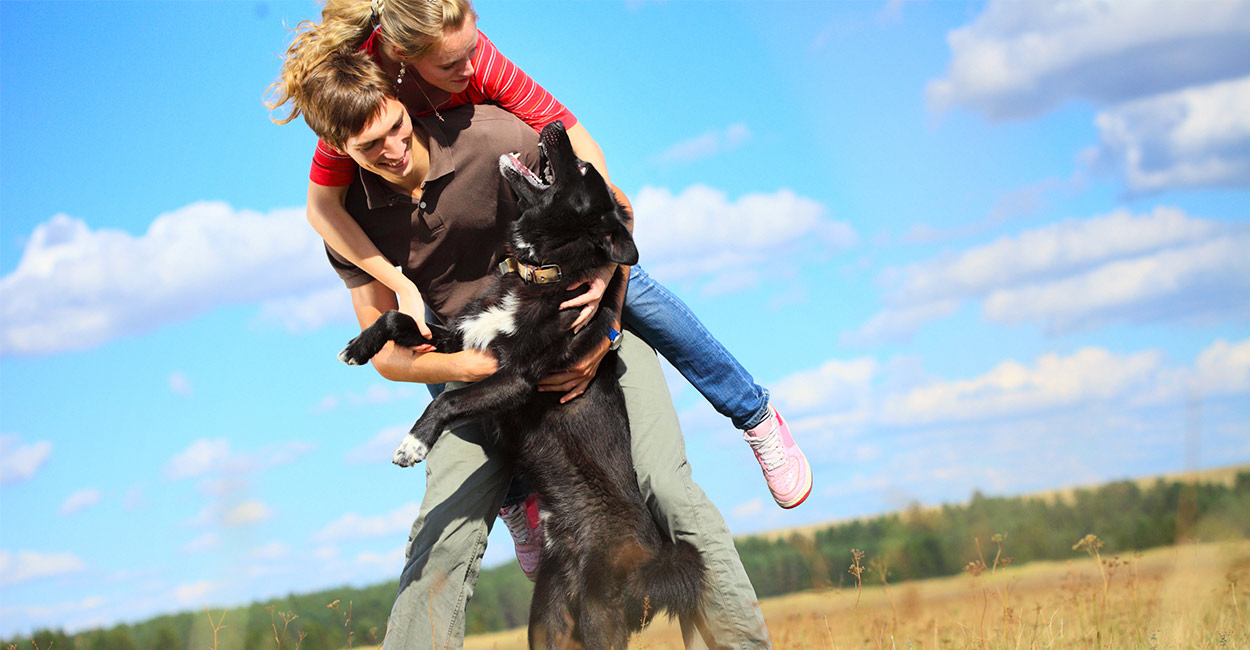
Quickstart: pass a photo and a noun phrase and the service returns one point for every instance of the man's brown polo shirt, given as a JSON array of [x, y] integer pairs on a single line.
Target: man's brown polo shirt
[[450, 240]]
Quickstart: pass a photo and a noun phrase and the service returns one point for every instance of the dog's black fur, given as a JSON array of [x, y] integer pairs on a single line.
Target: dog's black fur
[[606, 567]]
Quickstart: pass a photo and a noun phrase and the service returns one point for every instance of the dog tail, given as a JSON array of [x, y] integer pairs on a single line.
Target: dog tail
[[672, 580]]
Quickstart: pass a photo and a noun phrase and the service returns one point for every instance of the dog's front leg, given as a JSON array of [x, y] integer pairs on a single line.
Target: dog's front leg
[[498, 392], [390, 326]]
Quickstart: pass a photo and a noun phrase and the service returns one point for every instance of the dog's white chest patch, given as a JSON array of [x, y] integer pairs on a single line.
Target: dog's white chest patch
[[479, 331]]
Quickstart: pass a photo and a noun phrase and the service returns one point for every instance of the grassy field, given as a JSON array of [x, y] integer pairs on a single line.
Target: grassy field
[[1190, 596]]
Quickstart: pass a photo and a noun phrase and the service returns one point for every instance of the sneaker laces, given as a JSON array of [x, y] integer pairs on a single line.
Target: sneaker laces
[[514, 517], [768, 448]]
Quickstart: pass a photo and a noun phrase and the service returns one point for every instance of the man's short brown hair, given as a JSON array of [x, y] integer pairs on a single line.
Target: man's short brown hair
[[342, 94]]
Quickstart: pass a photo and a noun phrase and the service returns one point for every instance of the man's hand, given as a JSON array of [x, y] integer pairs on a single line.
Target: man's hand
[[575, 379], [474, 365], [589, 301]]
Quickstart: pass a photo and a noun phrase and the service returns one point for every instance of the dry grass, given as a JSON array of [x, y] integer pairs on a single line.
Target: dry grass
[[1192, 596]]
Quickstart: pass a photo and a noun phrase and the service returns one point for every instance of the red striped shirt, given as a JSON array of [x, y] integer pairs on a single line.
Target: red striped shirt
[[496, 80]]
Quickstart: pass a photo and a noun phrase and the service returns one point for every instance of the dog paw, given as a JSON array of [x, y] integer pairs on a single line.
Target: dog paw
[[410, 452], [352, 355]]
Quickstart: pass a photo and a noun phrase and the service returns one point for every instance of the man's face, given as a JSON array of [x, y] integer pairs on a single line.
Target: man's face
[[384, 146]]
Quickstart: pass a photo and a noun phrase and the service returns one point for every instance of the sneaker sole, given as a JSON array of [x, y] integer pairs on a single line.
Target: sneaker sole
[[807, 490]]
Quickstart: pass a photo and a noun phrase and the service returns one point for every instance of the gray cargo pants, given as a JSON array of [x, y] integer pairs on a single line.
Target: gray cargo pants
[[466, 482]]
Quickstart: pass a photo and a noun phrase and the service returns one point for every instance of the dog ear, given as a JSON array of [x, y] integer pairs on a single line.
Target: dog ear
[[619, 244]]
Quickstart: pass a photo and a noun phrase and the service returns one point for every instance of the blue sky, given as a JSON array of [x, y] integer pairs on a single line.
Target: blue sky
[[966, 245]]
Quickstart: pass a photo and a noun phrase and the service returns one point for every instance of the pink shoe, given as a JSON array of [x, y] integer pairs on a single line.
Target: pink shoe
[[785, 467], [527, 533]]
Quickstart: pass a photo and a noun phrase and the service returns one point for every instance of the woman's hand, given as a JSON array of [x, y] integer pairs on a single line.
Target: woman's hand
[[411, 303], [576, 378], [589, 301]]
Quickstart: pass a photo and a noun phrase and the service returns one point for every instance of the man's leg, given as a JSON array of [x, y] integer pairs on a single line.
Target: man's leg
[[465, 484], [730, 613]]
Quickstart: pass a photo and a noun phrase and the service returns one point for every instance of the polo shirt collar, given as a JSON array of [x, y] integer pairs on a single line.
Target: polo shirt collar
[[442, 162], [379, 193]]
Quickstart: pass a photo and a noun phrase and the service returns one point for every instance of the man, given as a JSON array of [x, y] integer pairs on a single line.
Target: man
[[430, 196]]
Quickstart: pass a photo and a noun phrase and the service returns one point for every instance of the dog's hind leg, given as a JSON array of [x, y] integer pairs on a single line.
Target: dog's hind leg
[[551, 622], [498, 392], [390, 326]]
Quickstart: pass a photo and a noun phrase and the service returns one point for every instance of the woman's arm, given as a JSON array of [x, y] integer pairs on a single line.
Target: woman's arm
[[398, 363], [330, 219]]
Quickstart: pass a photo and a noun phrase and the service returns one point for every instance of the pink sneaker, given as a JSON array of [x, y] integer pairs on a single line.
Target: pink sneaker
[[785, 467], [527, 533]]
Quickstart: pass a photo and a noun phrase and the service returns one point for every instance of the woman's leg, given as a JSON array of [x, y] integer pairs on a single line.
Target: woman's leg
[[664, 321]]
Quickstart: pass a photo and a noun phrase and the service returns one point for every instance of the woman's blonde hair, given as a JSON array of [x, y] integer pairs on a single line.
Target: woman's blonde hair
[[411, 27]]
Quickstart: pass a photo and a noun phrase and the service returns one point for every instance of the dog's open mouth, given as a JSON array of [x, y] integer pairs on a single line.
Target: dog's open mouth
[[545, 175]]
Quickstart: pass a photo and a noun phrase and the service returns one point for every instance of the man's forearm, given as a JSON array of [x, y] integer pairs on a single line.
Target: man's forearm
[[398, 363]]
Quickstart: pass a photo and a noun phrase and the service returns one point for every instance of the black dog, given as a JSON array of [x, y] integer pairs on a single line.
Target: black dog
[[606, 568]]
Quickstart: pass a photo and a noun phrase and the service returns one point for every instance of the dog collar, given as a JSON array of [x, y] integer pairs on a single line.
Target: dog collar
[[529, 273]]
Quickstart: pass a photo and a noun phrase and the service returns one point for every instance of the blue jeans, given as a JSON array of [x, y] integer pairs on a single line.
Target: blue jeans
[[664, 321], [667, 324]]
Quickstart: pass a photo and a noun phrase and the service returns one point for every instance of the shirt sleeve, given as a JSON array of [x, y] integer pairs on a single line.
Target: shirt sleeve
[[331, 168], [501, 82], [351, 275]]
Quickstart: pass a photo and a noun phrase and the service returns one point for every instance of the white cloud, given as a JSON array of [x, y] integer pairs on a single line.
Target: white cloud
[[1197, 137], [179, 384], [882, 396], [1164, 265], [380, 447], [374, 395], [706, 145], [205, 542], [201, 457], [1012, 388], [354, 526], [109, 283], [701, 233], [387, 561], [193, 593], [309, 311], [1022, 59], [79, 500], [133, 498], [230, 514], [22, 566], [19, 462], [749, 508], [248, 512], [834, 385], [51, 612], [214, 456], [896, 323], [1209, 281], [271, 551]]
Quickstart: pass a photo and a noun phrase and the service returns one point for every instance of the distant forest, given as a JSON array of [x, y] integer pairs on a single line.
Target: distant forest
[[917, 543]]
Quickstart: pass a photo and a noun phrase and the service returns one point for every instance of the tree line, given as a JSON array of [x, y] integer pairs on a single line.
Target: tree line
[[916, 543]]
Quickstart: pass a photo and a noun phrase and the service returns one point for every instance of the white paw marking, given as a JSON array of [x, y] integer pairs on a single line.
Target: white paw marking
[[410, 452], [347, 359], [479, 331]]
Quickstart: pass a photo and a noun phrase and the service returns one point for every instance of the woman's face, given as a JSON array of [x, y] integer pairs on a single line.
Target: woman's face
[[448, 65]]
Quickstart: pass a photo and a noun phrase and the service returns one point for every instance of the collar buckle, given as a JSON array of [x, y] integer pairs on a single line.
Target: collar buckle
[[530, 274]]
